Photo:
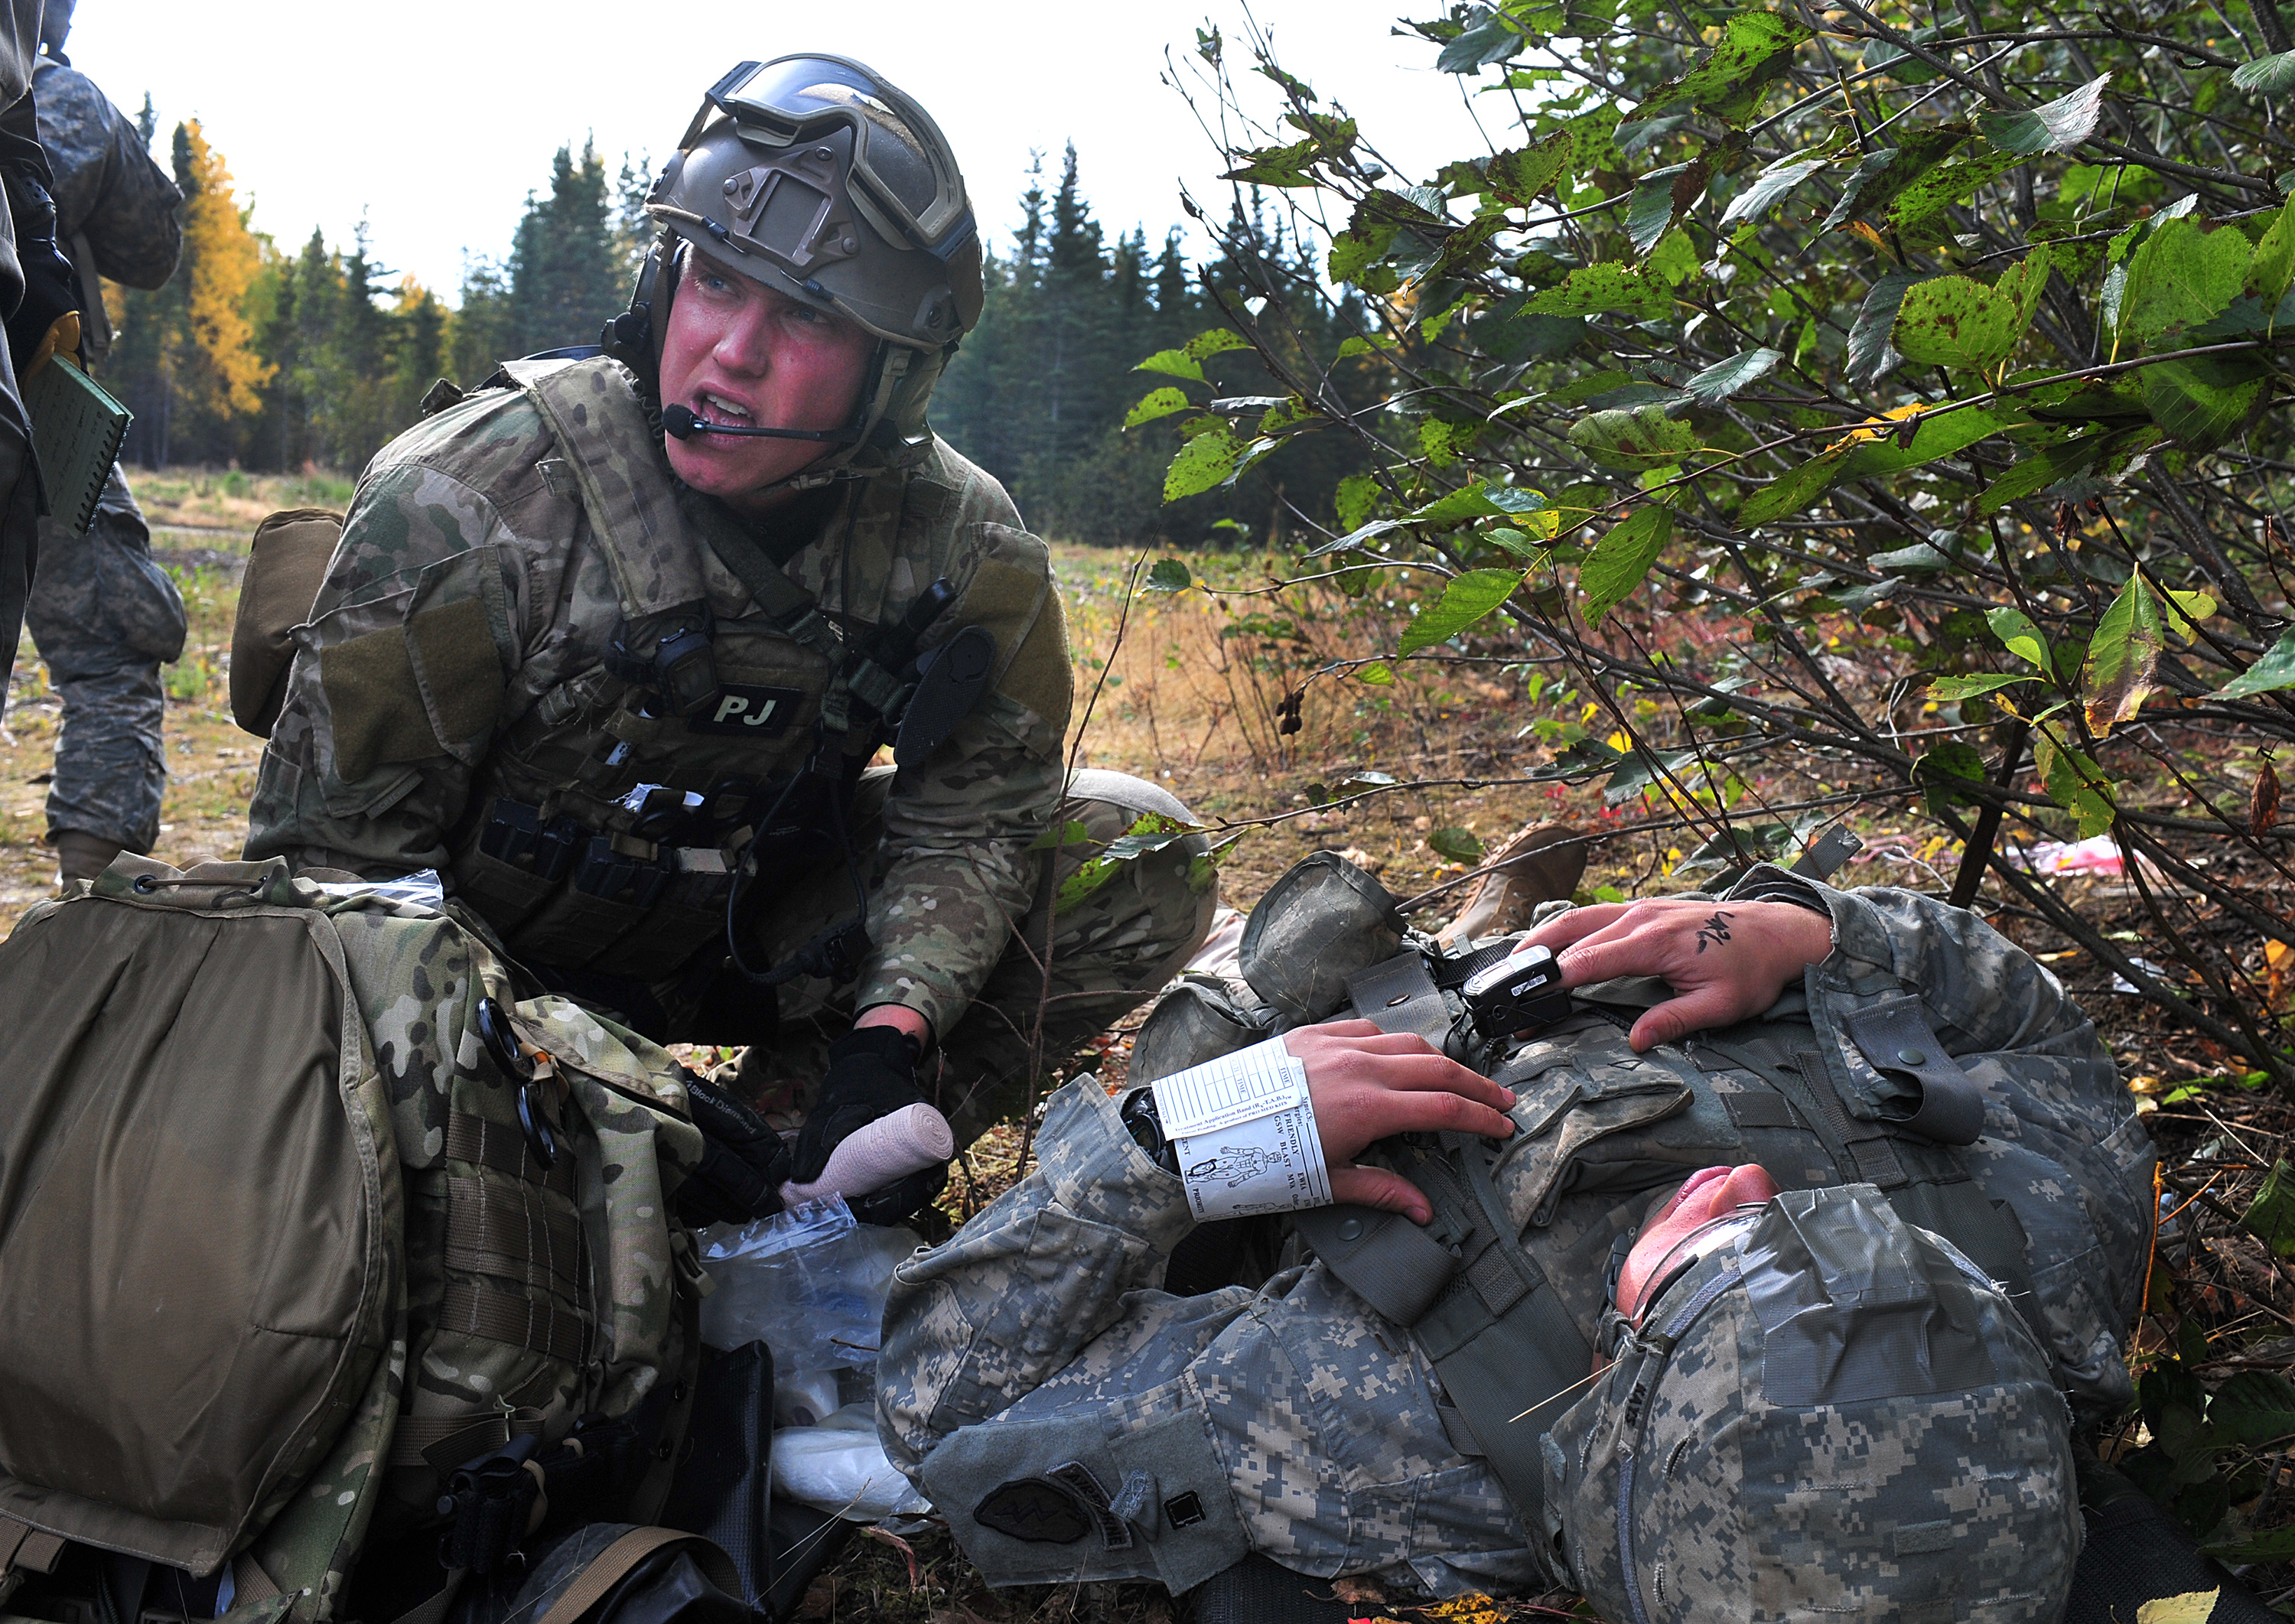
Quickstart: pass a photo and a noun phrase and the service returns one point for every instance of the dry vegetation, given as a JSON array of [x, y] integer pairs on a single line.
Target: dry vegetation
[[200, 522], [1191, 687]]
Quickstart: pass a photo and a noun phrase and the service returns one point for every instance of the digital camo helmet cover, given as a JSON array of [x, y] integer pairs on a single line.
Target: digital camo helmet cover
[[1835, 1417]]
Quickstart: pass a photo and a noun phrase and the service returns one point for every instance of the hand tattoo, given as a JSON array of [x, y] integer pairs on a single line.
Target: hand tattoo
[[1715, 929]]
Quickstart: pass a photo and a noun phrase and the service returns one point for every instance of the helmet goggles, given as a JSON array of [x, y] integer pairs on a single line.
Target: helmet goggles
[[901, 176]]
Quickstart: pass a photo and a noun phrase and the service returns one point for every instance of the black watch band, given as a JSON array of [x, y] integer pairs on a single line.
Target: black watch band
[[1145, 1126]]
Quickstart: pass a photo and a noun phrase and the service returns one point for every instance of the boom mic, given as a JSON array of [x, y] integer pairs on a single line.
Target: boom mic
[[679, 423]]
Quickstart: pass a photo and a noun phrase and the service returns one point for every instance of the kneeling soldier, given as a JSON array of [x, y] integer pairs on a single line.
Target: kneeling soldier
[[610, 643]]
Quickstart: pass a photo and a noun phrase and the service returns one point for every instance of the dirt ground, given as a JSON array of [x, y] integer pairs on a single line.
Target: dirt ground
[[1192, 689]]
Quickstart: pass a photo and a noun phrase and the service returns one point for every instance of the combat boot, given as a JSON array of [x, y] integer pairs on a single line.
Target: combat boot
[[1542, 864]]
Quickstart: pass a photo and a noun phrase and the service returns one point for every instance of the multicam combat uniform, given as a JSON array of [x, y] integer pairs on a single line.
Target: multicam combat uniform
[[451, 707], [1165, 1436], [104, 616]]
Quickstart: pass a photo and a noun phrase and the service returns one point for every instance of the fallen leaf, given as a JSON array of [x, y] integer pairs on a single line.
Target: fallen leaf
[[2263, 805], [2193, 1607], [871, 1531]]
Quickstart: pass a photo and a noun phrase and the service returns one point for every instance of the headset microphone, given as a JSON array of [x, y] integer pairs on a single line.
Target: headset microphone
[[679, 422]]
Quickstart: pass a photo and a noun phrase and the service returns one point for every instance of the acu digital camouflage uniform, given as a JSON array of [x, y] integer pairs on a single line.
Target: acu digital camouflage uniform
[[1835, 1414], [454, 665], [1298, 1422], [102, 615]]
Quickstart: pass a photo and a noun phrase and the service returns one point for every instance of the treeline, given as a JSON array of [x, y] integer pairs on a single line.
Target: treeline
[[271, 357], [276, 358], [1039, 393]]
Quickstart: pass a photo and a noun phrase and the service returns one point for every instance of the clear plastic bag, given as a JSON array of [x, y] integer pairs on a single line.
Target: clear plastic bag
[[809, 1282], [423, 889], [840, 1468]]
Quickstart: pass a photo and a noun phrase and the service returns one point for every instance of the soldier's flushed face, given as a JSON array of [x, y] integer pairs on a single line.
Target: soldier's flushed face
[[1668, 1233], [736, 351]]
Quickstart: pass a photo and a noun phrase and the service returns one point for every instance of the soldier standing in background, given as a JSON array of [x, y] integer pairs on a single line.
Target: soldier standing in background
[[27, 259], [104, 616]]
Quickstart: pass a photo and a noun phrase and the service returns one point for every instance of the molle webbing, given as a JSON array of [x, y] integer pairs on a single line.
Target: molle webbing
[[512, 1233], [523, 1227], [1786, 1057], [796, 612], [1925, 1182], [654, 546], [502, 1148], [475, 1309]]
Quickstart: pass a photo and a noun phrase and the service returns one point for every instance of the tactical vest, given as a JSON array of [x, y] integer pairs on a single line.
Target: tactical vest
[[1505, 1291], [303, 1214], [605, 831]]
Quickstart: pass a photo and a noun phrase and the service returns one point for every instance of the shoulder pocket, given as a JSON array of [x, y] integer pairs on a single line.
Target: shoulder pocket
[[1010, 595], [285, 564], [1580, 1124]]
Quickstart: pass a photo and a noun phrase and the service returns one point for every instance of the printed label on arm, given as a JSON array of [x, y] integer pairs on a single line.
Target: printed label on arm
[[1244, 1128]]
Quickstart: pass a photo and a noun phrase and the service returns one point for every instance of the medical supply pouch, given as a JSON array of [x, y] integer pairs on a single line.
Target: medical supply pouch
[[314, 1237], [286, 562]]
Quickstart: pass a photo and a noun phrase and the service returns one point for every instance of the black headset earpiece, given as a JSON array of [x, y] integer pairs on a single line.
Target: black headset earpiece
[[630, 337]]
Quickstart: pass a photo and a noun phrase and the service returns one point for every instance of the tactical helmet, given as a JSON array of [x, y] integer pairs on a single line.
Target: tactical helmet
[[1831, 1410], [813, 175]]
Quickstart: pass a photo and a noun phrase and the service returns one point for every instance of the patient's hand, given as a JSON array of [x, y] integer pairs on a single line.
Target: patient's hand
[[1367, 1084], [1726, 961]]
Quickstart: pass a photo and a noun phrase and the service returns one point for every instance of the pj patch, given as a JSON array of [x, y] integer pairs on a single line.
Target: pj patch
[[746, 710]]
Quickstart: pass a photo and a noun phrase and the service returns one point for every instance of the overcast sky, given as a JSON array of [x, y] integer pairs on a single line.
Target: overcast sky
[[435, 119]]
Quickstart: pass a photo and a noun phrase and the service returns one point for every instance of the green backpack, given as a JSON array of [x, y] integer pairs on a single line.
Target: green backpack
[[302, 1209]]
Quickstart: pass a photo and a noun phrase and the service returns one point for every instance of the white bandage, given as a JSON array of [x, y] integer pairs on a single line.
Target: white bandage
[[875, 1153], [1244, 1128]]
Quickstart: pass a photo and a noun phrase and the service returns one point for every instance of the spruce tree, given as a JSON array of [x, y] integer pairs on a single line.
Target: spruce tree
[[567, 267]]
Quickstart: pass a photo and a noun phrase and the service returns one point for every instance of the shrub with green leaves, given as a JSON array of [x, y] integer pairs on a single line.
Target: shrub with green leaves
[[1935, 359]]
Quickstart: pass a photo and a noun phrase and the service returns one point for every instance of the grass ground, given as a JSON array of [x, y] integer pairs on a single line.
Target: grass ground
[[200, 523], [1193, 688]]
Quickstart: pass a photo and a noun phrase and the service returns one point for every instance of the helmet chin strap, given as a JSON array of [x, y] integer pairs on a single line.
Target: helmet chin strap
[[679, 423]]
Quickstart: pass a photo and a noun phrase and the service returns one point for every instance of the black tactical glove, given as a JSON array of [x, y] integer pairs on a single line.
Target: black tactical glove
[[901, 1198], [872, 1072], [743, 1162], [51, 285]]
